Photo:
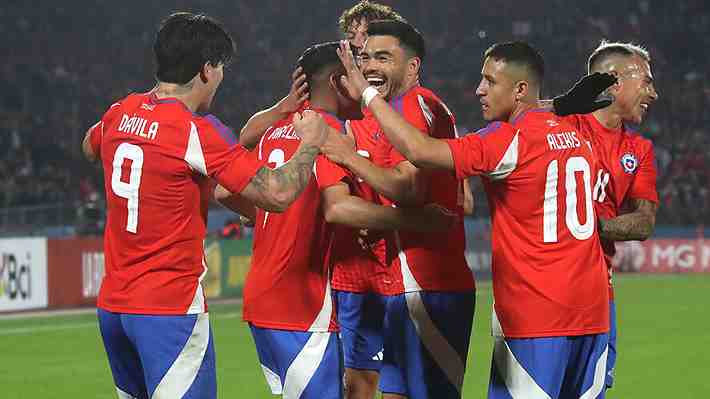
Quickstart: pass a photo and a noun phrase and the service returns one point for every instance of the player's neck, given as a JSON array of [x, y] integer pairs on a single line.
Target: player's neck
[[520, 108], [184, 93], [408, 84], [608, 118], [324, 102]]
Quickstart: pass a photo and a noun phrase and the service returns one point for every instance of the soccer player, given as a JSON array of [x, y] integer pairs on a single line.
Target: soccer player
[[624, 194], [158, 155], [428, 321], [549, 277], [353, 24], [287, 295]]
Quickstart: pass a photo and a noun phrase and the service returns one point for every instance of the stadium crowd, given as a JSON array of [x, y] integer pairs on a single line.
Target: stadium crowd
[[50, 90]]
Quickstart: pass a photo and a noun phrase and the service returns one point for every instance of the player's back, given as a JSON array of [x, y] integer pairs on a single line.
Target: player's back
[[288, 283], [156, 155], [432, 261], [548, 270]]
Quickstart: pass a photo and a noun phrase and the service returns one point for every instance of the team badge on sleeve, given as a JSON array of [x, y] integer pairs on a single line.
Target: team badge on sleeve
[[629, 163]]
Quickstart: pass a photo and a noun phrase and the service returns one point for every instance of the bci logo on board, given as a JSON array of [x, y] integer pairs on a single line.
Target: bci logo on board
[[16, 276], [92, 272]]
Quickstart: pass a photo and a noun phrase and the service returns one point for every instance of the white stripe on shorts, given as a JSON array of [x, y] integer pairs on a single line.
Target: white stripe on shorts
[[273, 380], [445, 356], [519, 383], [305, 364], [183, 371], [599, 377], [123, 395]]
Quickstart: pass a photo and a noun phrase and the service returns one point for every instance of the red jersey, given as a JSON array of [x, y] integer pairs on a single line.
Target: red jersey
[[431, 261], [288, 286], [549, 277], [625, 170], [157, 156], [356, 269]]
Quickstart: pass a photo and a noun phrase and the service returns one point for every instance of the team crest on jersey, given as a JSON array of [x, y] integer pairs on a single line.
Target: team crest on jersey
[[629, 163]]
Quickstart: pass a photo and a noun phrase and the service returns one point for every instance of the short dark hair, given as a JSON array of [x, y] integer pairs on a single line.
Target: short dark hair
[[369, 11], [185, 42], [519, 53], [607, 49], [317, 58], [409, 37]]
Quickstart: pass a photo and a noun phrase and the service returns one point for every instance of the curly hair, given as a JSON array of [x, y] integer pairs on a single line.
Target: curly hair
[[369, 11]]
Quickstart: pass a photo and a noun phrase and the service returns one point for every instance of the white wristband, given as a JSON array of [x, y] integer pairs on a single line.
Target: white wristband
[[367, 95]]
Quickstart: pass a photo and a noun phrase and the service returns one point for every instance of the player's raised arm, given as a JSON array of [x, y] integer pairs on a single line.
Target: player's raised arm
[[256, 125], [421, 150], [341, 207], [399, 183], [275, 189]]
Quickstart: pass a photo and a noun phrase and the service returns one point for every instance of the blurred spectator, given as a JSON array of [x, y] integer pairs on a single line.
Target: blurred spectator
[[63, 79]]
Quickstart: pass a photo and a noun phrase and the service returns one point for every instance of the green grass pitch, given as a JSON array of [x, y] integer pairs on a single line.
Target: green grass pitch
[[664, 347]]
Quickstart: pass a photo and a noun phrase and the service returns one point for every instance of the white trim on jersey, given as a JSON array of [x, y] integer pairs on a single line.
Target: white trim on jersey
[[193, 155], [428, 115], [599, 377], [182, 373], [496, 328], [261, 141], [519, 383], [410, 283], [198, 301], [322, 320], [272, 380], [124, 395], [305, 364], [508, 163], [445, 356]]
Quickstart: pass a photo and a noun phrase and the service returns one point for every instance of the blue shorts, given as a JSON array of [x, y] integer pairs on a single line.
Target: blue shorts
[[361, 317], [426, 343], [555, 367], [611, 357], [160, 356], [299, 364]]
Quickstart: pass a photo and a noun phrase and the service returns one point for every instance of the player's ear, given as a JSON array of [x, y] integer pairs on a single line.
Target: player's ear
[[521, 89], [204, 73], [413, 65]]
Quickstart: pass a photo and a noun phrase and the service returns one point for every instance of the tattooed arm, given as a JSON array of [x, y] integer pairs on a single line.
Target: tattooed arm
[[275, 189], [637, 225]]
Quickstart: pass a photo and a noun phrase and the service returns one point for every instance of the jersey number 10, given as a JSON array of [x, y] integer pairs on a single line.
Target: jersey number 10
[[579, 231]]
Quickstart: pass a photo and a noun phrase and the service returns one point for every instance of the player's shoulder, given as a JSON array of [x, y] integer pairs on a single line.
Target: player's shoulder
[[637, 138], [495, 128], [212, 124], [537, 119]]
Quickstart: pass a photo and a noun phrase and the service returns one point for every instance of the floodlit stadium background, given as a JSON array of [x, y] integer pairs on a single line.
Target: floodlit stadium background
[[63, 63]]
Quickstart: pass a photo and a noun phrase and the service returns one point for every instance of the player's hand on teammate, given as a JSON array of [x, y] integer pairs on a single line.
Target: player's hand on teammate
[[297, 95], [339, 147], [354, 81], [583, 97], [436, 218], [310, 127]]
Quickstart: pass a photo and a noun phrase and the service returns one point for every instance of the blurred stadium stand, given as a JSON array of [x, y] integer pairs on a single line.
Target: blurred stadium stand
[[63, 63]]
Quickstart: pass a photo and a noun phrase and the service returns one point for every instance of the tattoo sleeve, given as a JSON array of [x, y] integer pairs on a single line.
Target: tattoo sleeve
[[276, 189], [637, 225]]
